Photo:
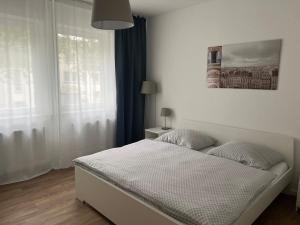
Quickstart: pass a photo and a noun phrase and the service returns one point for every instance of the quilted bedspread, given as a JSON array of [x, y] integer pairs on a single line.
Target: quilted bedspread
[[190, 186]]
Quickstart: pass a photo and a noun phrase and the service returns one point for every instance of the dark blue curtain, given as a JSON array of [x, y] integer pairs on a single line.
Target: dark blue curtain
[[130, 58]]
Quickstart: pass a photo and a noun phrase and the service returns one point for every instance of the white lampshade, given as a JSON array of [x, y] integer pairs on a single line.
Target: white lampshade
[[148, 88], [165, 112], [112, 14]]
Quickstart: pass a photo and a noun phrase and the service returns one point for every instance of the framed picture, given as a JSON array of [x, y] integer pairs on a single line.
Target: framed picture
[[252, 65]]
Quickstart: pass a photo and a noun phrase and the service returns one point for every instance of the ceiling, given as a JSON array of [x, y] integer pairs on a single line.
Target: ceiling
[[156, 7]]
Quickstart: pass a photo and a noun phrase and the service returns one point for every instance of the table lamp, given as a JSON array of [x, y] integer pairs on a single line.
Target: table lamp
[[165, 112]]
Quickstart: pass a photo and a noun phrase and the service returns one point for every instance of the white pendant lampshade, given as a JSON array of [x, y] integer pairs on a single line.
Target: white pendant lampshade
[[112, 14]]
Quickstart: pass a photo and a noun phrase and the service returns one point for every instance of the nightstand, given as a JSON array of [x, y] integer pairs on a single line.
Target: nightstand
[[153, 133], [298, 198]]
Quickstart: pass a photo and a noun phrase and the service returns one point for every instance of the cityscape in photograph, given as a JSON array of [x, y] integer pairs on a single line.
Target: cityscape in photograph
[[262, 77]]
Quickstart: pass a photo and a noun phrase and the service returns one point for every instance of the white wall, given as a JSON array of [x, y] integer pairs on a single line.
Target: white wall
[[177, 56]]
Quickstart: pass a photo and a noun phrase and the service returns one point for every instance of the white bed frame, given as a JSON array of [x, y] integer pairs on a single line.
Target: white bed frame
[[123, 208]]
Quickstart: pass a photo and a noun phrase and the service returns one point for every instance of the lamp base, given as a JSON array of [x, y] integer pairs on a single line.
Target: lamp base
[[165, 128]]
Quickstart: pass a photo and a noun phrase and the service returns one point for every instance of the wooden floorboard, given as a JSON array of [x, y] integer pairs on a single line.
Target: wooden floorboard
[[50, 200]]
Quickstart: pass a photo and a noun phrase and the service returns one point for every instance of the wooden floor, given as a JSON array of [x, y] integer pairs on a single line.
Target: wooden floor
[[50, 200]]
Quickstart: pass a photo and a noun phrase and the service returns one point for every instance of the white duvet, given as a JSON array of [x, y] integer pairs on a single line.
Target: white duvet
[[192, 187]]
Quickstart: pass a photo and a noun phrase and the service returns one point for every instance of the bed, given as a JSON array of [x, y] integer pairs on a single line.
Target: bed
[[124, 207]]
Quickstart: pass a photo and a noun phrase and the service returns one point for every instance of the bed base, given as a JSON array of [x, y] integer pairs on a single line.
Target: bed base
[[123, 208]]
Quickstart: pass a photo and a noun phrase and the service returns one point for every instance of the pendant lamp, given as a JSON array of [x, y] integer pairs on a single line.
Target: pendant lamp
[[112, 14]]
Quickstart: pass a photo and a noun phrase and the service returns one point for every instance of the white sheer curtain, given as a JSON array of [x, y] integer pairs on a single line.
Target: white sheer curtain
[[87, 81], [26, 108], [57, 87]]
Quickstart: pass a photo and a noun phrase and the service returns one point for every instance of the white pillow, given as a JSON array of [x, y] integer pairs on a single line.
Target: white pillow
[[253, 155], [187, 138]]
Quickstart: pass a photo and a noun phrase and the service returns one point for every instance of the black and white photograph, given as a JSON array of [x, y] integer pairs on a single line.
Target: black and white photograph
[[253, 65]]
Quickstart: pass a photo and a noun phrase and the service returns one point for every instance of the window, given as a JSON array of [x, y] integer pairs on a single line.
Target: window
[[56, 104], [81, 72], [17, 83]]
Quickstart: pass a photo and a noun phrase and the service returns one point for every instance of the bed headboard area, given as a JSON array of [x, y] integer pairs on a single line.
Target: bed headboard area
[[278, 142]]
